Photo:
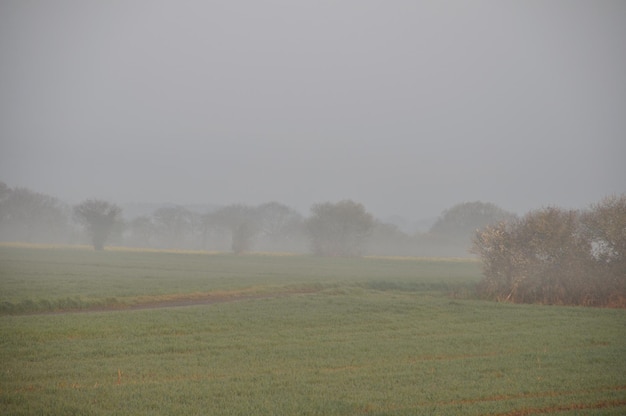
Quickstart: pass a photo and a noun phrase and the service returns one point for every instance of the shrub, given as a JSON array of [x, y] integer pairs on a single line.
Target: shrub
[[556, 256]]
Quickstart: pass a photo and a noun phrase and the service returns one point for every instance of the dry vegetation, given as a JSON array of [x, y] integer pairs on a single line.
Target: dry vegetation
[[554, 256]]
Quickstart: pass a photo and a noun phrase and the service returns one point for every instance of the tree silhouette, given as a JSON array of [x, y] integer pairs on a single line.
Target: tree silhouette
[[339, 229], [99, 219]]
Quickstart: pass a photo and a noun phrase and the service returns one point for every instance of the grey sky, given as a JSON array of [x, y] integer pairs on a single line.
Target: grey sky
[[406, 106]]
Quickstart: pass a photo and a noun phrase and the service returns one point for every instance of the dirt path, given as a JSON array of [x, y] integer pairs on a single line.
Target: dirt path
[[176, 302], [201, 301]]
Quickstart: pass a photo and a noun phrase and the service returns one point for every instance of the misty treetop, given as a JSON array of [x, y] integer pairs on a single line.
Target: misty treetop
[[242, 222], [31, 217], [238, 228], [99, 219], [462, 220], [339, 229]]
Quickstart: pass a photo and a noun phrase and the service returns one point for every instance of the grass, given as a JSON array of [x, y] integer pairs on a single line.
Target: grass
[[48, 278], [377, 337]]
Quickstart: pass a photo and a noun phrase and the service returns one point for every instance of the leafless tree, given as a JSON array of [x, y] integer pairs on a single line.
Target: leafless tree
[[557, 256]]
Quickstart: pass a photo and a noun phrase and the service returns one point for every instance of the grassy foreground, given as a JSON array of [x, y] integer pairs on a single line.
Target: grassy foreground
[[375, 336]]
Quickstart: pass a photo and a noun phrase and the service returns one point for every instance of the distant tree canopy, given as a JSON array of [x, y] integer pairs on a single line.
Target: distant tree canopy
[[388, 239], [30, 216], [141, 231], [339, 229], [241, 221], [555, 256], [280, 226], [172, 225], [462, 220], [99, 219], [273, 225], [452, 233]]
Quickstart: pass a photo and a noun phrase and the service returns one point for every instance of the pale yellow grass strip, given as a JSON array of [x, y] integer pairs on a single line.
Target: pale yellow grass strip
[[416, 258], [18, 244]]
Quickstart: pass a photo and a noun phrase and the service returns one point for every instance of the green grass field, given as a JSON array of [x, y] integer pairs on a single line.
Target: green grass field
[[290, 335]]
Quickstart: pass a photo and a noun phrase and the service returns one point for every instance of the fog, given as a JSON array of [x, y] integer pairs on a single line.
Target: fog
[[407, 107]]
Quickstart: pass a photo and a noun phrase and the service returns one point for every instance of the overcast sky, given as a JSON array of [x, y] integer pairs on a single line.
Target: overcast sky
[[408, 107]]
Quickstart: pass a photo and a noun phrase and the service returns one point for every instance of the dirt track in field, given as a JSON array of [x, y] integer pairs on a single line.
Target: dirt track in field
[[176, 301], [201, 301]]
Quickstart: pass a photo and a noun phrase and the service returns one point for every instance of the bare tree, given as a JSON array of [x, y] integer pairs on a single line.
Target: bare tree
[[541, 258], [339, 229], [99, 219]]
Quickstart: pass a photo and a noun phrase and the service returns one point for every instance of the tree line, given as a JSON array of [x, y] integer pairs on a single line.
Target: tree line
[[344, 228], [550, 255]]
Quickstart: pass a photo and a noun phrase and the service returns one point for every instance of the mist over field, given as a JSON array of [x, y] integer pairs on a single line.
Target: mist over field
[[313, 207], [407, 107]]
